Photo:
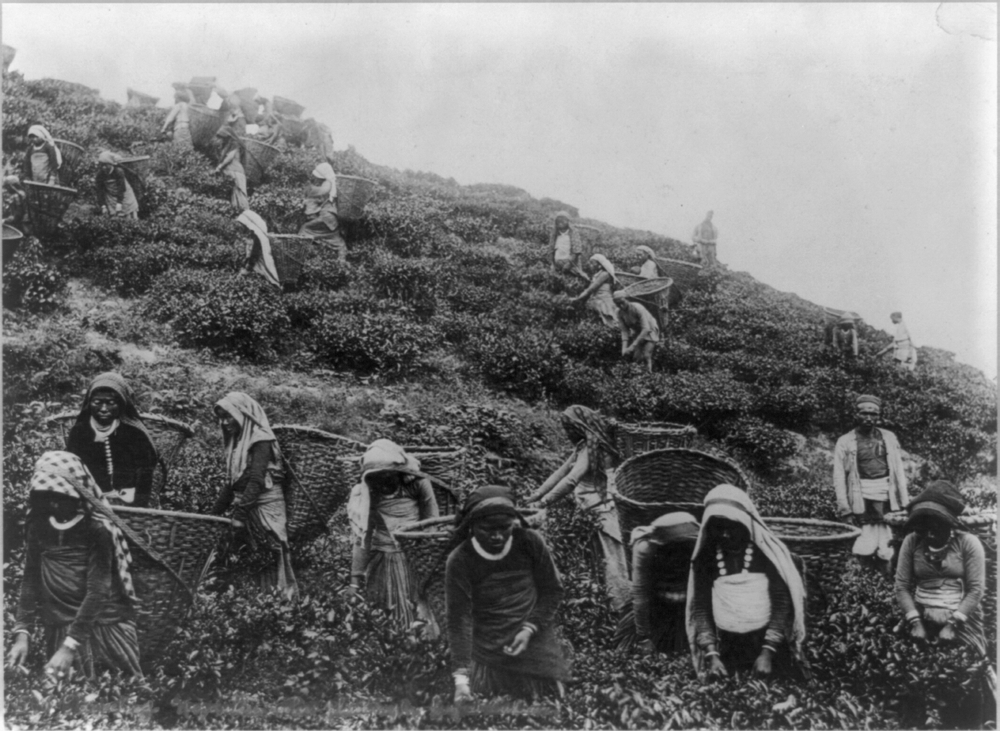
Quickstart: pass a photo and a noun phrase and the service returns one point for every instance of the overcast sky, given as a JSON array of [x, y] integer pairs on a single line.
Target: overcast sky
[[848, 150]]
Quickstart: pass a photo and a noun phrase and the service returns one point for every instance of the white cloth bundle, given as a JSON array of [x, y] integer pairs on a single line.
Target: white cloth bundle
[[875, 489]]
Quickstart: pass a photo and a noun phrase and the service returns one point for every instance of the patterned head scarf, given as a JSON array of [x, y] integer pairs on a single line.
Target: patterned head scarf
[[254, 427], [606, 265], [483, 502], [646, 250], [324, 171], [868, 399], [732, 503], [39, 131], [64, 473], [940, 499], [129, 408], [586, 426]]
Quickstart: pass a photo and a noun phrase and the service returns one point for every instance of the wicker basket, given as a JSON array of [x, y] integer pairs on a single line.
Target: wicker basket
[[982, 525], [684, 273], [201, 88], [186, 542], [290, 252], [46, 206], [425, 544], [321, 479], [832, 315], [168, 435], [447, 464], [589, 237], [12, 239], [649, 485], [648, 287], [72, 155], [287, 106], [294, 130], [258, 158], [824, 545], [137, 99], [205, 123], [139, 166], [633, 439], [353, 194]]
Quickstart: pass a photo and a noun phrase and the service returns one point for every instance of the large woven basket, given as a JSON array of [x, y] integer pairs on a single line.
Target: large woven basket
[[204, 123], [983, 525], [72, 155], [138, 165], [353, 194], [649, 485], [633, 439], [248, 103], [168, 435], [186, 542], [137, 99], [831, 314], [589, 237], [201, 88], [824, 545], [290, 253], [425, 544], [287, 106], [12, 239], [684, 273], [647, 287], [258, 158], [447, 464], [294, 130], [46, 206], [321, 479]]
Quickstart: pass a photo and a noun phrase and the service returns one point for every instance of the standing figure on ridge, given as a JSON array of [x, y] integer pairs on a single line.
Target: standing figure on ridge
[[565, 247], [320, 205], [905, 353], [869, 480], [705, 238], [179, 119]]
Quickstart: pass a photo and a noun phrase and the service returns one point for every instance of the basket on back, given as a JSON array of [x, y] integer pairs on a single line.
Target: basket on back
[[652, 484], [290, 253], [201, 88], [248, 103], [12, 239], [353, 194], [589, 237], [72, 155], [137, 99], [186, 542], [447, 464], [257, 158], [647, 287], [46, 206], [684, 273], [831, 314], [824, 545], [138, 166], [204, 123], [287, 106], [168, 435], [633, 439], [320, 478]]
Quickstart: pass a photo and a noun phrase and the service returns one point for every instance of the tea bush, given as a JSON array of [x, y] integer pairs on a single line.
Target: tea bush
[[31, 283], [373, 342]]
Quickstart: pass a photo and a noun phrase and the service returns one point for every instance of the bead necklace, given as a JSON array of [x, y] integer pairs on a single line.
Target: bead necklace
[[111, 468], [721, 563]]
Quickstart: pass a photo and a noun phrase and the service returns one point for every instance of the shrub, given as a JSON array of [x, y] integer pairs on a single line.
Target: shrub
[[131, 270], [242, 315], [31, 283], [413, 282], [761, 444], [175, 292], [524, 363], [404, 225], [372, 342]]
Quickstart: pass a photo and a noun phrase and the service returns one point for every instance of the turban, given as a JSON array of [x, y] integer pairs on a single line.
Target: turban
[[868, 399]]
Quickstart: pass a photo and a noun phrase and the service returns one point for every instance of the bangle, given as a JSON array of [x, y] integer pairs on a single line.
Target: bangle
[[710, 653], [530, 627], [23, 631], [772, 648], [914, 619]]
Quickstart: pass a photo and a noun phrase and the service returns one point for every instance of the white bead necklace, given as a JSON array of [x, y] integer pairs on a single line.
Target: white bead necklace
[[721, 563], [111, 468]]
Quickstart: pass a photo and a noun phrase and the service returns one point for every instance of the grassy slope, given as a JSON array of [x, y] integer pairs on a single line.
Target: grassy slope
[[500, 353]]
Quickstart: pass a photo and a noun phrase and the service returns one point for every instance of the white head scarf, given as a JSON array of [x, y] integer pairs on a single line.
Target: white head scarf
[[606, 265], [265, 265], [40, 131], [325, 171], [732, 503]]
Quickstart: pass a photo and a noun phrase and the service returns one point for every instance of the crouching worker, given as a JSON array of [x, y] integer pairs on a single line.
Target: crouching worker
[[392, 493], [503, 594], [76, 576], [639, 329], [745, 598], [661, 562]]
